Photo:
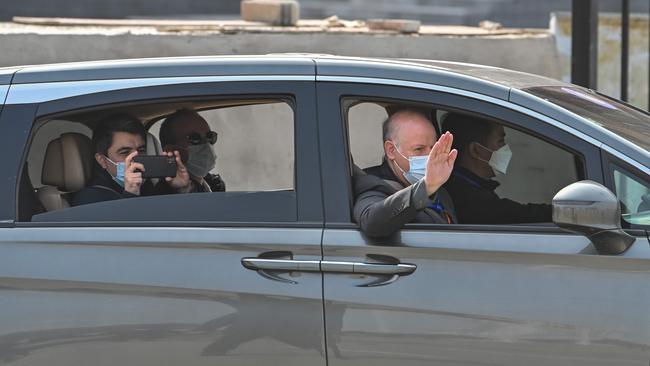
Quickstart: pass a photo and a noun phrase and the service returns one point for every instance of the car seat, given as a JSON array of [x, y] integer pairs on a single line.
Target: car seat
[[67, 168]]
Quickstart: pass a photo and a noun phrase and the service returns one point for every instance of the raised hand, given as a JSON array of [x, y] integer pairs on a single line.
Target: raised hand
[[132, 174], [181, 181], [440, 163]]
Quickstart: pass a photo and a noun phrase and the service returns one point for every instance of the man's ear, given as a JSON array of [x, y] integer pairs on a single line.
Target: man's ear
[[389, 150], [101, 160], [474, 151]]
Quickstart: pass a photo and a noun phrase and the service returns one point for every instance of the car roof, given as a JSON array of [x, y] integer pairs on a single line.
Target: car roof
[[503, 84], [495, 80]]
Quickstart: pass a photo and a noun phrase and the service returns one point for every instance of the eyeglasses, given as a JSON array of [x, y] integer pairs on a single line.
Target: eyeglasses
[[196, 138]]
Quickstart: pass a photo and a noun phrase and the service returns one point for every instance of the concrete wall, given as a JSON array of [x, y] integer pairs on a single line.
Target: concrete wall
[[116, 8], [531, 52]]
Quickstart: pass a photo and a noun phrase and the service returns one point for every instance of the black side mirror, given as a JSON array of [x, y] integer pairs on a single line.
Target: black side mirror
[[589, 208]]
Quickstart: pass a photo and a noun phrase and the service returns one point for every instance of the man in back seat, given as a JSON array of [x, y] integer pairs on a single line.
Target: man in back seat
[[186, 131], [407, 186], [117, 140]]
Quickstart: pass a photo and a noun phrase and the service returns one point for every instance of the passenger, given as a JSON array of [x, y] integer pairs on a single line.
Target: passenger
[[406, 187], [189, 133], [482, 151], [117, 140]]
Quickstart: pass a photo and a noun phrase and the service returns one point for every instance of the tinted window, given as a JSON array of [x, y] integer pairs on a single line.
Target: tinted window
[[630, 123], [634, 196]]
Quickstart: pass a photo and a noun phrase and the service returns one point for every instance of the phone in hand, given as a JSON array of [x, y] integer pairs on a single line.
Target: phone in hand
[[157, 166]]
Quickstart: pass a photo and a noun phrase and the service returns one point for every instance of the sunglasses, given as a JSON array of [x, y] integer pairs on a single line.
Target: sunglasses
[[196, 138]]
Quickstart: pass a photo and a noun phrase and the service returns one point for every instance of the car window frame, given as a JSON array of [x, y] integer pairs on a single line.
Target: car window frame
[[338, 213], [308, 209]]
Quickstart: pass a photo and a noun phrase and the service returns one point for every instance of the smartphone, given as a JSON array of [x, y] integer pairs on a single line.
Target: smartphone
[[157, 166]]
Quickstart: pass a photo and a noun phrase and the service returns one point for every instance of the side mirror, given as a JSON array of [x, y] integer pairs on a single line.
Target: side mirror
[[589, 208]]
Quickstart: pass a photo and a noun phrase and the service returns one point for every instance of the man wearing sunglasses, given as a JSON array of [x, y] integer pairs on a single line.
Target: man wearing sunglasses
[[189, 133]]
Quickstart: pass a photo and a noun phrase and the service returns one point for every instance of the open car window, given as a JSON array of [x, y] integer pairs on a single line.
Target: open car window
[[255, 153], [537, 170]]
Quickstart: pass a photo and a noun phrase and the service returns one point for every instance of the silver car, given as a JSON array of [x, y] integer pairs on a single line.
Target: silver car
[[274, 270]]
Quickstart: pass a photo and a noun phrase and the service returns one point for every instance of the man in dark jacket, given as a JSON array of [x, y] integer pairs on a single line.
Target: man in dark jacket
[[482, 151], [117, 140], [406, 187], [188, 132]]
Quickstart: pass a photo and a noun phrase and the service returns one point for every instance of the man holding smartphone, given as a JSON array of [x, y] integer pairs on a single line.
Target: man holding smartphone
[[118, 140], [189, 133]]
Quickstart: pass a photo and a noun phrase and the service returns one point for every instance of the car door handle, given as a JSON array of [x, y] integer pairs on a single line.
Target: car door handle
[[388, 273], [327, 266], [368, 268], [264, 264]]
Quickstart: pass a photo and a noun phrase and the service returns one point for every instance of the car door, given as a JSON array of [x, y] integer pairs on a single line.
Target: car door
[[472, 294], [166, 280]]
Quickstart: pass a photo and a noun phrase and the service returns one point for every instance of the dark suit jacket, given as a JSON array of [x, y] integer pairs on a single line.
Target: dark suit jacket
[[477, 203], [102, 187], [382, 205]]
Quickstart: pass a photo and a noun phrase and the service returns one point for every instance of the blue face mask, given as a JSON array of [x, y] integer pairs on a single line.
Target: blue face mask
[[417, 167], [119, 176]]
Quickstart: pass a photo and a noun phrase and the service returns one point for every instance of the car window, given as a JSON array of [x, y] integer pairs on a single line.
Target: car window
[[255, 149], [364, 130], [255, 157], [634, 196], [537, 170]]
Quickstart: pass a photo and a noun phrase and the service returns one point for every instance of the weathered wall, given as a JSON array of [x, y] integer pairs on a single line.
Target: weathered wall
[[609, 54], [525, 51]]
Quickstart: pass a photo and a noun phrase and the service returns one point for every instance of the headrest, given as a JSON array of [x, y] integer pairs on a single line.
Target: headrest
[[153, 146], [68, 162]]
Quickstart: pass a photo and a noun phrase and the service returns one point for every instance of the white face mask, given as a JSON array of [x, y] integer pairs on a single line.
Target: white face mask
[[500, 158], [201, 159], [417, 167]]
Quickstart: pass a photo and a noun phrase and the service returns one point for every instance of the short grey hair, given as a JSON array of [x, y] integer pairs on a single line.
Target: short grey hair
[[389, 129]]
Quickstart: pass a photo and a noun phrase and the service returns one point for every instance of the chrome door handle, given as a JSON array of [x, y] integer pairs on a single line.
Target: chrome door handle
[[388, 273], [280, 264], [368, 268], [327, 266]]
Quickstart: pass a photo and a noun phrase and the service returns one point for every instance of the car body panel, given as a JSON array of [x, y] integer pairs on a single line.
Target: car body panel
[[159, 296], [488, 298], [7, 74], [14, 127]]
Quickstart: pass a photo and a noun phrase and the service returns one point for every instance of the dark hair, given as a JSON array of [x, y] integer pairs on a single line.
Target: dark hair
[[166, 135], [105, 129], [466, 129]]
